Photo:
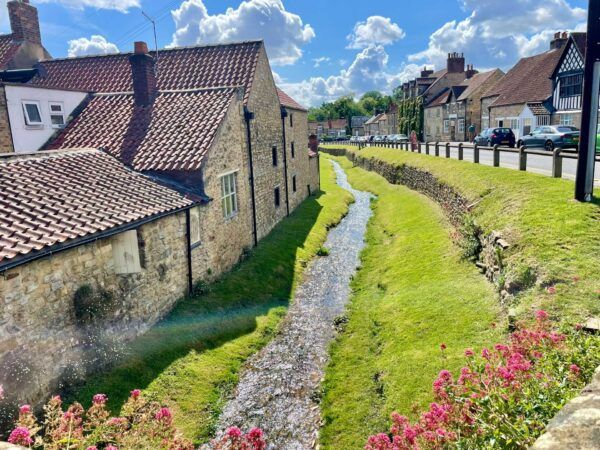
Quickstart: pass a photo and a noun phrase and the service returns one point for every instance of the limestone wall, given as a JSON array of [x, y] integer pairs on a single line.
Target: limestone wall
[[6, 144], [42, 343], [296, 133]]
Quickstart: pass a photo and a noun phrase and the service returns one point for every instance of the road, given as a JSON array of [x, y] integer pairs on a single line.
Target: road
[[535, 163]]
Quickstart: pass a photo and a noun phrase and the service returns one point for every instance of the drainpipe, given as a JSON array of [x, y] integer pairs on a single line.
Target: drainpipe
[[248, 116], [284, 114], [188, 240]]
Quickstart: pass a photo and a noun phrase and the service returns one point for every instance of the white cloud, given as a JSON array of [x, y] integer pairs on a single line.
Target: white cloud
[[283, 32], [96, 45], [368, 71], [119, 5], [320, 60], [497, 34], [376, 30]]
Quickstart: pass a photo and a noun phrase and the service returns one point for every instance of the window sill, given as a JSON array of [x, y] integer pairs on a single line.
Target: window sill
[[196, 245], [34, 127]]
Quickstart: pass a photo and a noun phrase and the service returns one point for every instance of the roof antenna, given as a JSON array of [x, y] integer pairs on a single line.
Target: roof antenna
[[151, 20]]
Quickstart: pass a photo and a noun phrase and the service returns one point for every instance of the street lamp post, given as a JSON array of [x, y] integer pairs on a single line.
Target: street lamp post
[[584, 183]]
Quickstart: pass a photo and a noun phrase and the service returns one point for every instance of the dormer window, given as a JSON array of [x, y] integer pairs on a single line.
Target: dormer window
[[31, 110], [57, 115]]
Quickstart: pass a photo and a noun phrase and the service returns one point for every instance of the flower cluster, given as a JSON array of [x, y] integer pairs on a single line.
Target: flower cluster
[[234, 439], [505, 397]]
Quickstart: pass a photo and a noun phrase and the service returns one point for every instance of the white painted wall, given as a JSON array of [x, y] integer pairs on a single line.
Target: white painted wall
[[29, 138]]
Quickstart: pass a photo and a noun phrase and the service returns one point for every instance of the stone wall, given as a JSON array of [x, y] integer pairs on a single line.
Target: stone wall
[[223, 240], [434, 123], [502, 112], [314, 173], [266, 134], [43, 344], [296, 133], [6, 144]]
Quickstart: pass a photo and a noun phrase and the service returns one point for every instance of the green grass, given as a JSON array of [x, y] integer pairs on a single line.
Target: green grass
[[412, 293], [552, 236], [191, 360]]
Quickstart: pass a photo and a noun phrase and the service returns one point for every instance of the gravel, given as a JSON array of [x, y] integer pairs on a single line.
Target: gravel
[[279, 387]]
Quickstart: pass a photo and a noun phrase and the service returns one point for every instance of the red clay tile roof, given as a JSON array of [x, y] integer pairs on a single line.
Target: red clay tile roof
[[8, 49], [174, 133], [51, 198], [538, 109], [475, 83], [288, 102], [224, 65], [528, 81]]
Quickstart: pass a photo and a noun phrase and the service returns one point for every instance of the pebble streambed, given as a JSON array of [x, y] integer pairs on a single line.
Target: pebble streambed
[[278, 387]]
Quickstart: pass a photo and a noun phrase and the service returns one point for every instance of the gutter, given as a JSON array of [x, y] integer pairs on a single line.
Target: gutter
[[57, 248], [248, 116], [284, 114]]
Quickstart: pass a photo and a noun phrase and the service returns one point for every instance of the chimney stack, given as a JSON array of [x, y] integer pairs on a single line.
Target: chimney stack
[[426, 72], [456, 63], [470, 71], [559, 41], [24, 21], [143, 74]]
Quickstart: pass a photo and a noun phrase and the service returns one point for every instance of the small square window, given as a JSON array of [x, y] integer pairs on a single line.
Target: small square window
[[293, 149], [277, 197], [32, 113], [274, 154], [57, 115]]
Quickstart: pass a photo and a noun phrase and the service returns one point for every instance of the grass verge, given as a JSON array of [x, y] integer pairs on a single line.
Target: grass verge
[[554, 239], [191, 360], [412, 293]]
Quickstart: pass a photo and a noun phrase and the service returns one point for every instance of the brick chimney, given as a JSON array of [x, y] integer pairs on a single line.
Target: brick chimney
[[456, 63], [470, 71], [559, 41], [143, 74], [24, 21], [426, 72]]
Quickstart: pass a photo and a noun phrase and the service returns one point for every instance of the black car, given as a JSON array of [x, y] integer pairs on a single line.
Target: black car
[[550, 137], [492, 136]]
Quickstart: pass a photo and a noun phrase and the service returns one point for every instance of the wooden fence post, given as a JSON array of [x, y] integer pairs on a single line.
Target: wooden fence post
[[557, 163], [419, 147], [460, 151], [447, 149], [437, 149], [522, 158], [427, 148], [476, 153], [496, 156]]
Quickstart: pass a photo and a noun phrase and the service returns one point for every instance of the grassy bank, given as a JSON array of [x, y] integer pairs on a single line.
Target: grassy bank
[[554, 239], [191, 359], [413, 293]]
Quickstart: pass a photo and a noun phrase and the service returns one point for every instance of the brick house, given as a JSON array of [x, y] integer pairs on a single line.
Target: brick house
[[522, 99]]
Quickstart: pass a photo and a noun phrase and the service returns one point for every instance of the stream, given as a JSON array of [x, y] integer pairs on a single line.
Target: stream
[[279, 387]]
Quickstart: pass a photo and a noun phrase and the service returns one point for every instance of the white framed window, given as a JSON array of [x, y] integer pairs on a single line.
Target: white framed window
[[446, 126], [566, 119], [32, 112], [195, 225], [229, 201], [543, 120], [461, 125], [126, 253], [57, 114], [513, 123]]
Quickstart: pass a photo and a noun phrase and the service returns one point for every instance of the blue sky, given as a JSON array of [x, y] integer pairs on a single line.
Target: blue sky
[[320, 50]]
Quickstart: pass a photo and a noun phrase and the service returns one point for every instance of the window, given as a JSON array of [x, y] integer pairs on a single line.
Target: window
[[543, 120], [292, 120], [461, 125], [513, 124], [32, 113], [446, 126], [57, 116], [294, 183], [126, 253], [274, 151], [277, 197], [229, 195], [570, 85], [566, 119], [485, 122], [195, 226], [293, 149]]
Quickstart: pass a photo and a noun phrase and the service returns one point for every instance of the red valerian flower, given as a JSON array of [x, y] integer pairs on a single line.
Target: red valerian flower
[[20, 436]]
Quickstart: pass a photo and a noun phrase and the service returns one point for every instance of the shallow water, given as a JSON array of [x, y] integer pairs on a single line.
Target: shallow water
[[278, 388]]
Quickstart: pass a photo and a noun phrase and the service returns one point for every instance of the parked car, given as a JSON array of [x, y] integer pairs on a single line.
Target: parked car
[[495, 136], [354, 139], [377, 139], [550, 137]]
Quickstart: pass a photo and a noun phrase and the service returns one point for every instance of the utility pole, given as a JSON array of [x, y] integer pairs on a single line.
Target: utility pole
[[584, 183]]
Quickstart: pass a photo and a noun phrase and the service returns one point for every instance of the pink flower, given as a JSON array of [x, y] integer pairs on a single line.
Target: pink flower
[[93, 447], [99, 399], [551, 290], [111, 447], [578, 326], [234, 432], [469, 353], [541, 314], [1, 392], [20, 436], [575, 369], [485, 353], [136, 393], [442, 346], [163, 414], [25, 409]]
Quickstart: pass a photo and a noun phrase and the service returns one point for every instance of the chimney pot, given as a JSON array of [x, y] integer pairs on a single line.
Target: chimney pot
[[565, 35], [140, 48]]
